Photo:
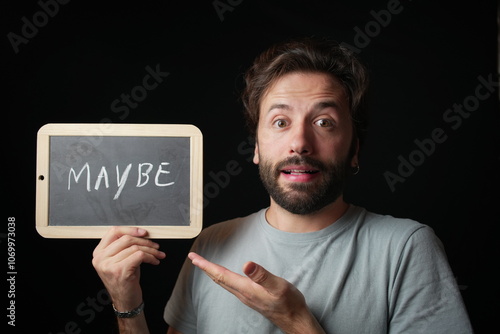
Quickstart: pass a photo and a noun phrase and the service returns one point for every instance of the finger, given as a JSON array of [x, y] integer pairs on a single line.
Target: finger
[[229, 280], [117, 232], [140, 253], [127, 241], [127, 261], [262, 277], [134, 256]]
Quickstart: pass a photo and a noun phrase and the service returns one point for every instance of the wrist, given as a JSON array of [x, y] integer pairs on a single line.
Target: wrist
[[130, 313], [314, 326], [125, 301], [303, 322]]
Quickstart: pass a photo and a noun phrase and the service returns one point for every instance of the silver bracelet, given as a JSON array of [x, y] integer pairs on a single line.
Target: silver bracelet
[[129, 314]]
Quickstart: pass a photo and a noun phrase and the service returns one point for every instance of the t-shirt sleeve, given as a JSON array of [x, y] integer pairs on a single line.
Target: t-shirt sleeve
[[424, 297]]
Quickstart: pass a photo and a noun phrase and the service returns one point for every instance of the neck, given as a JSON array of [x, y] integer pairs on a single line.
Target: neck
[[286, 221]]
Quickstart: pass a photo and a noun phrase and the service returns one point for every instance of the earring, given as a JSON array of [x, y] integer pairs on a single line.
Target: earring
[[355, 170]]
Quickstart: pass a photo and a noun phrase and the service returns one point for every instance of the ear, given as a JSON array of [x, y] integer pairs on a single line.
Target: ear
[[256, 158], [354, 160]]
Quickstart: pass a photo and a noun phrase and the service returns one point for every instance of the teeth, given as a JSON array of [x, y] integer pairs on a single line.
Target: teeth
[[298, 171]]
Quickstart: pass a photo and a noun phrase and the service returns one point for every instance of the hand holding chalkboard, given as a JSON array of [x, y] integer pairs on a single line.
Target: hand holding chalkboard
[[125, 174], [118, 264]]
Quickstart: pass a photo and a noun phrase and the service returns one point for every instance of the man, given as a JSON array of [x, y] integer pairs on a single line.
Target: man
[[310, 262]]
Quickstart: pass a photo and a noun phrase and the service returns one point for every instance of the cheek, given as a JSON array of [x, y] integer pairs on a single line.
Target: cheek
[[344, 144], [269, 152], [338, 148]]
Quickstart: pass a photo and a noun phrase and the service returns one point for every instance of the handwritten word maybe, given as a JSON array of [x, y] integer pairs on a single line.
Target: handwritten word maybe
[[143, 171]]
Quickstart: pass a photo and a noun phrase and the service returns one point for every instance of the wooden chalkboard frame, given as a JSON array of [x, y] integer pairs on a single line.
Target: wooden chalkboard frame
[[95, 130]]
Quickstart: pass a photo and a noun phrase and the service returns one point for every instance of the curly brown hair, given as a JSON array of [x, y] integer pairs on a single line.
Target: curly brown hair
[[306, 55]]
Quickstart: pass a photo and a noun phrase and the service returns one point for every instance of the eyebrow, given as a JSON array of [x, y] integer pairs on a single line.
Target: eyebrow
[[279, 106], [326, 104], [318, 106]]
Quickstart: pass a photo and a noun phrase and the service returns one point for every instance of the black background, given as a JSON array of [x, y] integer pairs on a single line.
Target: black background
[[426, 59]]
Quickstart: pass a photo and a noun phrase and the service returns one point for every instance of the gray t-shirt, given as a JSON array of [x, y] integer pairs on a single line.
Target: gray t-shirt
[[366, 273]]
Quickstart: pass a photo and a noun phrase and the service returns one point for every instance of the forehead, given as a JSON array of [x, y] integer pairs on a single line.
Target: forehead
[[305, 85]]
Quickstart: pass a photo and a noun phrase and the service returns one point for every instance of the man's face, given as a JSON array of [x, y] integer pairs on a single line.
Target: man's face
[[304, 137]]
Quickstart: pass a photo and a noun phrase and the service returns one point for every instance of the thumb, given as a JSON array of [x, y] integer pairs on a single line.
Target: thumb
[[260, 275], [140, 232]]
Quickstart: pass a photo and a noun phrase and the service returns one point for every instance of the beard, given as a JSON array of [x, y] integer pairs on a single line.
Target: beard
[[305, 198]]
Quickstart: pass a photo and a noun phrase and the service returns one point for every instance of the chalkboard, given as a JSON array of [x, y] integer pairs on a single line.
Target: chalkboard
[[93, 176]]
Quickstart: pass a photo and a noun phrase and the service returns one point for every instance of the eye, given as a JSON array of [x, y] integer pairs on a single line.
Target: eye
[[280, 123], [324, 123]]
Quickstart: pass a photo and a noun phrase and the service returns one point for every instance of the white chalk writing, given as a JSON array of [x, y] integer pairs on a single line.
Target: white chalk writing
[[143, 171]]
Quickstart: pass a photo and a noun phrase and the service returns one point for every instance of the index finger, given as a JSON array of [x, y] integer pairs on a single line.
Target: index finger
[[236, 284]]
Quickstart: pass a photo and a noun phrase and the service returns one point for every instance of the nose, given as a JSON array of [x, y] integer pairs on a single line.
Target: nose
[[301, 140]]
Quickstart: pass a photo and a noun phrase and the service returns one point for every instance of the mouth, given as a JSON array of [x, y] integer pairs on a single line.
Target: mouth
[[299, 171]]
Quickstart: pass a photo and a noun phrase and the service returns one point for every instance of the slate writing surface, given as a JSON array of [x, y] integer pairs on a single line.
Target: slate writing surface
[[119, 180]]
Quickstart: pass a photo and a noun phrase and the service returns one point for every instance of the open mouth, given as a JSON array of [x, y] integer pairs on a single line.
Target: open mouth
[[298, 171]]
